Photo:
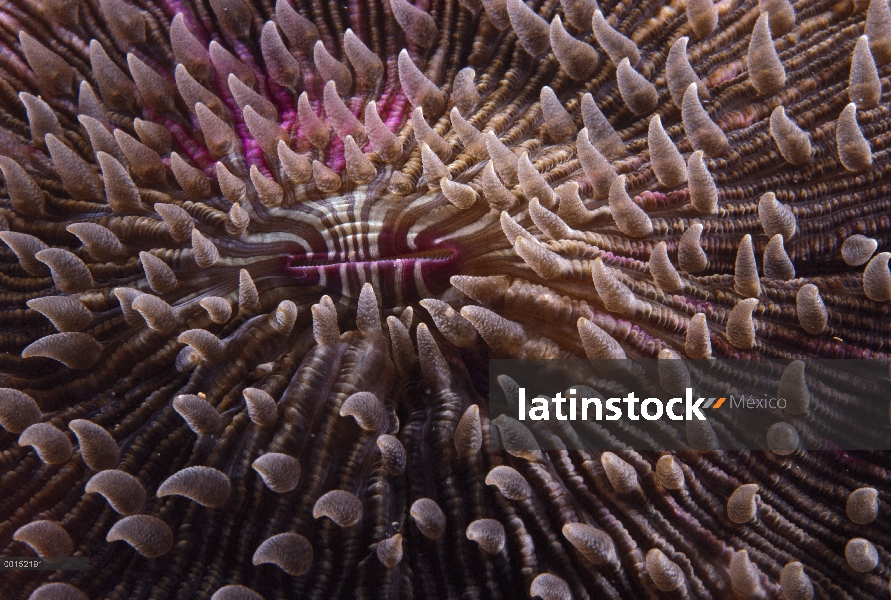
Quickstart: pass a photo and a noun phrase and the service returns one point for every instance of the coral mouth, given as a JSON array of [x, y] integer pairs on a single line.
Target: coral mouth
[[299, 263], [413, 274]]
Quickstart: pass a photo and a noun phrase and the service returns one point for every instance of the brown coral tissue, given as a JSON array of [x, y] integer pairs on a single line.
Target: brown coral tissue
[[256, 256]]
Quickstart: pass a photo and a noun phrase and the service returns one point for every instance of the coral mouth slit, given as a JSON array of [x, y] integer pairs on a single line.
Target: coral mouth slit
[[409, 276]]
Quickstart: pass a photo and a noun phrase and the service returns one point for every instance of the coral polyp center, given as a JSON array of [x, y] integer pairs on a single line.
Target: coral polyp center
[[382, 244], [256, 258]]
